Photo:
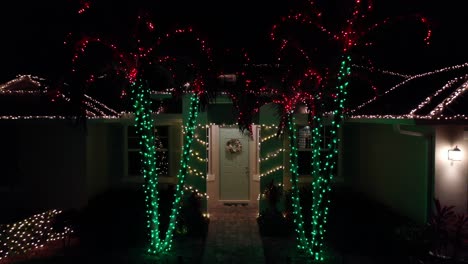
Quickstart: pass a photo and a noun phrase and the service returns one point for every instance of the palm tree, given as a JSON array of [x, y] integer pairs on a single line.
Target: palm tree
[[332, 64], [151, 67]]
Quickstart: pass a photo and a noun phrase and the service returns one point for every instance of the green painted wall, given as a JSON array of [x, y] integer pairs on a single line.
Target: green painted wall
[[269, 116], [392, 168]]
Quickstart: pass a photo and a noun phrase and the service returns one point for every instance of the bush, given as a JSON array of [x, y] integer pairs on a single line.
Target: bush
[[191, 220], [271, 221], [117, 218], [114, 219]]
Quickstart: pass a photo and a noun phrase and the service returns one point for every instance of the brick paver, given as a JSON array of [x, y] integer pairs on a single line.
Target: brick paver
[[233, 236]]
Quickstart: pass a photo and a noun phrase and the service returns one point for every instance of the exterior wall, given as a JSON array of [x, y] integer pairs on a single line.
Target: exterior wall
[[269, 143], [451, 177], [50, 164], [104, 156], [388, 166]]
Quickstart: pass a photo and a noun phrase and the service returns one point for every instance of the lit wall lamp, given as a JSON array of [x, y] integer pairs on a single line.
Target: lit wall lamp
[[455, 154]]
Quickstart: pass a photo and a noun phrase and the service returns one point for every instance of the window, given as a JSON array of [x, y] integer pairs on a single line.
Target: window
[[161, 134], [304, 137]]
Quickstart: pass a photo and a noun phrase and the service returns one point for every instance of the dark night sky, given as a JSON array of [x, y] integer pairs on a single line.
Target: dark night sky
[[33, 31]]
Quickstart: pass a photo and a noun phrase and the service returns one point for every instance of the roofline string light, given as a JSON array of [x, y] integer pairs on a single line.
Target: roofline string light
[[437, 112], [441, 70], [450, 99], [387, 72]]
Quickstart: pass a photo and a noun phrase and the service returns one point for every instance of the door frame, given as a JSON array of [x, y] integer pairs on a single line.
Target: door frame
[[212, 179]]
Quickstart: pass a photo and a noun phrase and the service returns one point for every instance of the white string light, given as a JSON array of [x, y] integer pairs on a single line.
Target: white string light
[[198, 157], [436, 113], [30, 233], [192, 189], [272, 155], [196, 172], [405, 76], [272, 171], [429, 98], [439, 108], [101, 104], [446, 69], [20, 78]]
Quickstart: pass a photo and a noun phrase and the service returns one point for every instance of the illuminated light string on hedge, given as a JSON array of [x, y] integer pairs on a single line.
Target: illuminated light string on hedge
[[29, 234], [445, 69]]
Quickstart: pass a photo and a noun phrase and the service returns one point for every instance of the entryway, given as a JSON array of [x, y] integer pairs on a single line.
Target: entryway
[[233, 176]]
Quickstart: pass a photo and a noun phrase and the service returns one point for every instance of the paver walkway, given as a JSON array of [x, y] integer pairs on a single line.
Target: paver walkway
[[233, 236]]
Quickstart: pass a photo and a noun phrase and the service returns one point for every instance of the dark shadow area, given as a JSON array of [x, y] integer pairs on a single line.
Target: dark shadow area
[[112, 229]]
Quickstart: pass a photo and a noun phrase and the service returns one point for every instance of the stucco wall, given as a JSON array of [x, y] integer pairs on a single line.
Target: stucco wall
[[389, 167], [50, 159], [104, 157], [451, 177]]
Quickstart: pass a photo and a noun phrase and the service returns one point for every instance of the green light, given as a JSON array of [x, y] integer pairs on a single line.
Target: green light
[[145, 126], [322, 165]]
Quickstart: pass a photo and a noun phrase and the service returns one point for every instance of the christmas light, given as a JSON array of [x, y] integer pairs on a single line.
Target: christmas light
[[196, 172], [84, 6], [429, 98], [30, 233], [272, 155], [196, 191], [271, 171], [417, 76], [22, 78], [145, 127], [452, 97], [372, 69]]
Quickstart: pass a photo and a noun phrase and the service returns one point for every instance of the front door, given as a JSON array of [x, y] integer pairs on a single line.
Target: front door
[[234, 165]]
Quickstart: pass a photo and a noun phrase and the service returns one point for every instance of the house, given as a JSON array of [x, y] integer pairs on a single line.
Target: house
[[50, 160], [400, 153]]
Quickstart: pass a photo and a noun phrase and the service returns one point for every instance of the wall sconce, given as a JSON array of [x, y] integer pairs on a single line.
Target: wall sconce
[[455, 154]]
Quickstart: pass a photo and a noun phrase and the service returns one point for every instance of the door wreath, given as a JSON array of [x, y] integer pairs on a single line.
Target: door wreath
[[234, 145]]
